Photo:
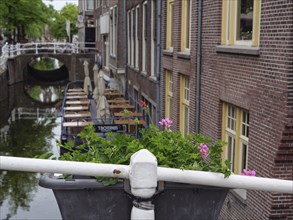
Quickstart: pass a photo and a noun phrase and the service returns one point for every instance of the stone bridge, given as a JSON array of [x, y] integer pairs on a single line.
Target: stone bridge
[[15, 58]]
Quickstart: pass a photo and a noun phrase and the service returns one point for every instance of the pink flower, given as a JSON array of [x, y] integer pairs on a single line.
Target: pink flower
[[248, 173], [204, 150], [166, 122]]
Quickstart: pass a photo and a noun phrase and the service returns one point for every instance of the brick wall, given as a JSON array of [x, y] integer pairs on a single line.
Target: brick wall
[[138, 80], [3, 85], [179, 65], [260, 85]]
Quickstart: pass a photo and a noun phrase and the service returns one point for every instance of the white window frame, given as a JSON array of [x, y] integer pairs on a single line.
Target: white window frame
[[153, 42], [87, 5], [136, 37], [114, 32], [132, 37], [111, 31], [128, 38], [144, 41]]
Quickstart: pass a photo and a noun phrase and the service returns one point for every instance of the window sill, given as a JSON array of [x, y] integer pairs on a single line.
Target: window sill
[[168, 53], [153, 78], [244, 50], [143, 73], [184, 55]]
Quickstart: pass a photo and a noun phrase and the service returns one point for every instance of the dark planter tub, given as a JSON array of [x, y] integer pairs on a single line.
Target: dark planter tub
[[88, 199]]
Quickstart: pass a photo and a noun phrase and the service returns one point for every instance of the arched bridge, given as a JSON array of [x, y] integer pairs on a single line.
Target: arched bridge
[[14, 58]]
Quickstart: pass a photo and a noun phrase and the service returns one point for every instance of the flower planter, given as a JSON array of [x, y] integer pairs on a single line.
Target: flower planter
[[83, 198]]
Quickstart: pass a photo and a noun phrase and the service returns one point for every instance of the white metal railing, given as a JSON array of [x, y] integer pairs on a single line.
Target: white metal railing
[[144, 174], [12, 50], [32, 113]]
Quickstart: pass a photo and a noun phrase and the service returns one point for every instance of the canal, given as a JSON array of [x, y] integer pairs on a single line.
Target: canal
[[29, 126]]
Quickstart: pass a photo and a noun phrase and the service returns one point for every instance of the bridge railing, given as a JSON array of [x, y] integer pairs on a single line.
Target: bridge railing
[[144, 174], [10, 50]]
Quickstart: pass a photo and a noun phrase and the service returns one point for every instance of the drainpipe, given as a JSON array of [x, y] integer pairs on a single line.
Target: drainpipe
[[198, 65], [125, 50], [158, 66]]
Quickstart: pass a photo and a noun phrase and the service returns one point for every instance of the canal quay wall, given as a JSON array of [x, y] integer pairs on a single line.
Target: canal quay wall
[[3, 85], [16, 71]]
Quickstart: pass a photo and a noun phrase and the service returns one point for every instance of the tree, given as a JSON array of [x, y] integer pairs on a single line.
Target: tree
[[68, 12], [22, 19]]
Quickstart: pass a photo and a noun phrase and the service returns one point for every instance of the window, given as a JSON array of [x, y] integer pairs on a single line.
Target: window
[[106, 40], [236, 132], [98, 3], [132, 36], [135, 97], [184, 104], [136, 37], [111, 31], [144, 36], [128, 37], [168, 94], [241, 22], [186, 19], [90, 5], [153, 37], [114, 31], [170, 24], [151, 108]]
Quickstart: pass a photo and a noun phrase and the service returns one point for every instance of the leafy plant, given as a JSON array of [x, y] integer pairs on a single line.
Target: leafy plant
[[171, 148]]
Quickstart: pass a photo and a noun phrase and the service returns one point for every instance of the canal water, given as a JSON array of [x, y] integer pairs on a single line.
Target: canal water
[[28, 128]]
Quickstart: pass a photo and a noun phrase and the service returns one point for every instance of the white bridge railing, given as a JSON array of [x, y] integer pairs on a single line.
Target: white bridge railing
[[144, 174], [10, 50]]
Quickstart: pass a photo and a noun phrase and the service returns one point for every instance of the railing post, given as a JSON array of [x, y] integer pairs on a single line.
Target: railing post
[[11, 50], [36, 48], [54, 45], [143, 182], [18, 49]]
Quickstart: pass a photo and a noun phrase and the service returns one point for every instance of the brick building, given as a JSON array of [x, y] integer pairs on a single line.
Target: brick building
[[110, 40], [85, 22], [143, 52], [244, 94], [130, 51], [221, 68]]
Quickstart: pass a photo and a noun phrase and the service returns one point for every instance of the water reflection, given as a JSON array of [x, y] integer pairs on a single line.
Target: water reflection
[[46, 63], [27, 131], [45, 94]]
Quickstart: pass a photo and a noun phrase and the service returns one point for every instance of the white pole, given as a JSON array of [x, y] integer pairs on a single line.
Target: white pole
[[217, 179], [163, 174], [59, 166]]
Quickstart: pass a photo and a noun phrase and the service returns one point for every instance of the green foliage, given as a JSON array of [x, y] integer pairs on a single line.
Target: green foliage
[[170, 147], [58, 26], [24, 17], [47, 63], [28, 18]]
